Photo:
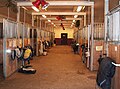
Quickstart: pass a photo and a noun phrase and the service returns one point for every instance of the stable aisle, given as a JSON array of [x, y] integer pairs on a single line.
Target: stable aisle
[[60, 69]]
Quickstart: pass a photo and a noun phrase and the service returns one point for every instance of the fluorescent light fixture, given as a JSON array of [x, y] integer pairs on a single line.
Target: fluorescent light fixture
[[83, 7], [75, 16], [52, 23], [49, 20], [8, 50], [24, 7], [79, 8], [73, 20], [44, 16], [36, 9]]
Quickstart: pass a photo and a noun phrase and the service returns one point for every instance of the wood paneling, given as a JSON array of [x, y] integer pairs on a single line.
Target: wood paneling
[[99, 10], [113, 3], [58, 41], [115, 54], [97, 53]]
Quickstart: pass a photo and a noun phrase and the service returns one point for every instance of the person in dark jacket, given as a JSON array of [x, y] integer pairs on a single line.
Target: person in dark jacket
[[105, 72]]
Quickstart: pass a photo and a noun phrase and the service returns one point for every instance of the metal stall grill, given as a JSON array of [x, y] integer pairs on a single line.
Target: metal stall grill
[[99, 31]]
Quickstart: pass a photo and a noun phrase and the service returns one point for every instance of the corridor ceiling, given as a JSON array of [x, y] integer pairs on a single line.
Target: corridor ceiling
[[65, 8]]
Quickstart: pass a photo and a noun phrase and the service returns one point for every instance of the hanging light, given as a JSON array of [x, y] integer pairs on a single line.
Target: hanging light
[[36, 5], [58, 18], [44, 4]]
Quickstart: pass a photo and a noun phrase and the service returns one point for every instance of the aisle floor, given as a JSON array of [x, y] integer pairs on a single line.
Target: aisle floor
[[60, 69]]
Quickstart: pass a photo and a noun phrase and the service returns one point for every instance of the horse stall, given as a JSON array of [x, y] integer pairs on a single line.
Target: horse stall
[[9, 44], [84, 37], [98, 43], [15, 34], [113, 42]]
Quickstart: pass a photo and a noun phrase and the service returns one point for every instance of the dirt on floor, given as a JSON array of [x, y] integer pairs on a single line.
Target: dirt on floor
[[60, 69]]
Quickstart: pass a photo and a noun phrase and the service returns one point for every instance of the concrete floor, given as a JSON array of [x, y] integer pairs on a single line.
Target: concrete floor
[[60, 69]]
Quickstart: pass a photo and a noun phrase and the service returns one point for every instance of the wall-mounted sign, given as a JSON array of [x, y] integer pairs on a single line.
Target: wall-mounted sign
[[99, 48]]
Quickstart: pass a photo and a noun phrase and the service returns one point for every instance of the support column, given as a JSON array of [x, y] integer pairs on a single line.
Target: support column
[[32, 30], [88, 60], [40, 24], [37, 38], [84, 20], [23, 30], [18, 20], [92, 37], [105, 24]]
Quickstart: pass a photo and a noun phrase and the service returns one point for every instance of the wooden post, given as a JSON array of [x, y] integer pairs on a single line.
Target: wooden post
[[92, 37], [37, 38], [105, 23], [32, 29]]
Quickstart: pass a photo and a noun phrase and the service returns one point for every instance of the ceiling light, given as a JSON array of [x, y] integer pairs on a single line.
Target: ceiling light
[[75, 16], [49, 20], [52, 23], [83, 7], [73, 20], [44, 16], [72, 23], [79, 8], [36, 5], [44, 4], [36, 9]]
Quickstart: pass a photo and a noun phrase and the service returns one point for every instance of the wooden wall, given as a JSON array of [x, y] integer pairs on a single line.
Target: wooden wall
[[114, 53], [13, 15], [98, 11], [97, 53], [113, 3], [28, 16]]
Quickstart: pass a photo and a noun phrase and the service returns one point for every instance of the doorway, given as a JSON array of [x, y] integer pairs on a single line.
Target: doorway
[[34, 41], [1, 51], [64, 38]]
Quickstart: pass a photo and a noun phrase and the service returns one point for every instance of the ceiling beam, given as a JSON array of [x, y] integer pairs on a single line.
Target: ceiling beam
[[60, 23], [63, 24], [61, 3], [63, 19], [59, 13], [57, 21]]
